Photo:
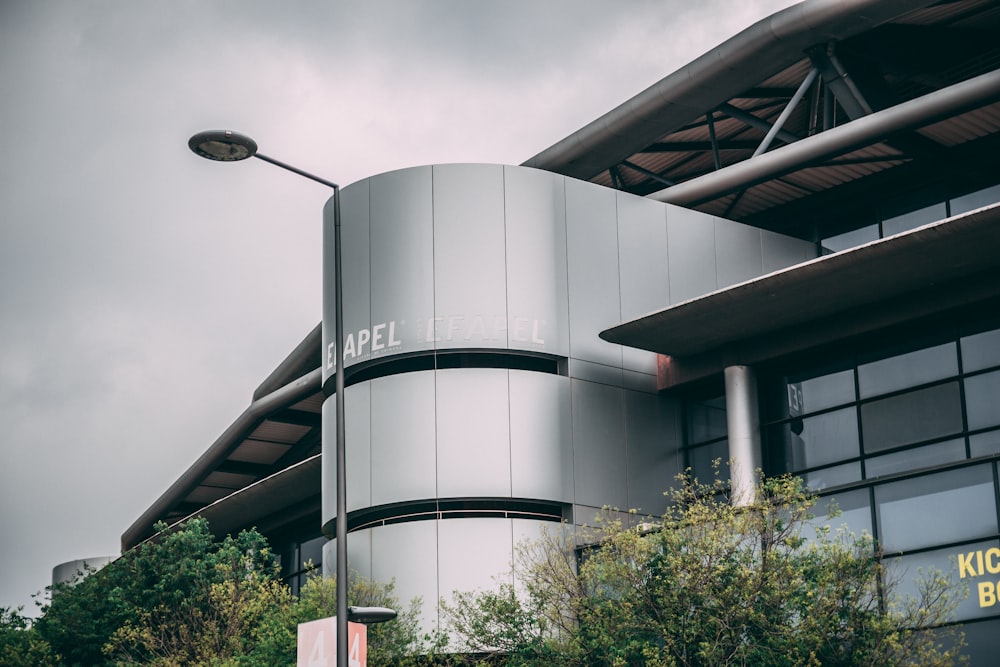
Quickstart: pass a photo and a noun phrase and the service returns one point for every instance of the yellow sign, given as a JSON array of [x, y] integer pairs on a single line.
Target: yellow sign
[[980, 563]]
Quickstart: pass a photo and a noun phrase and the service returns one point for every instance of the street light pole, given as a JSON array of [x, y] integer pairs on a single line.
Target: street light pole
[[228, 146]]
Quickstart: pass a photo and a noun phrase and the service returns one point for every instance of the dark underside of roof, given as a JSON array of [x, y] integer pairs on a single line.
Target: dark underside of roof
[[680, 130]]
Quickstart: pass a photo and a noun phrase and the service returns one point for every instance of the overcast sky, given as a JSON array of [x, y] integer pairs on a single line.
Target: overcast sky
[[145, 293]]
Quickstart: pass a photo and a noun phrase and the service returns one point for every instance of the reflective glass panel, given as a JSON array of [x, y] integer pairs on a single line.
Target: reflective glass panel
[[900, 420], [851, 239], [706, 420], [816, 441], [311, 553], [924, 511], [982, 400], [970, 559], [981, 351], [915, 459], [824, 478], [984, 444], [975, 200], [855, 513], [914, 219], [820, 392], [702, 459], [907, 370], [981, 641]]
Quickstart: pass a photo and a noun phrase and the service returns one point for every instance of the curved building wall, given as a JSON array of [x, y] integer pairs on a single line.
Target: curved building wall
[[481, 402], [72, 571]]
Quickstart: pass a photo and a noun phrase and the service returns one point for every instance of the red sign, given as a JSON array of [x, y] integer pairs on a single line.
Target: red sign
[[317, 645]]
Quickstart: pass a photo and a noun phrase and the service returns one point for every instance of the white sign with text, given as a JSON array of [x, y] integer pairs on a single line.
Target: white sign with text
[[317, 644]]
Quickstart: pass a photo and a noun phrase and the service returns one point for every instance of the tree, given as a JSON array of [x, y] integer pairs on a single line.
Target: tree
[[181, 598], [185, 598], [712, 584], [20, 643], [397, 642]]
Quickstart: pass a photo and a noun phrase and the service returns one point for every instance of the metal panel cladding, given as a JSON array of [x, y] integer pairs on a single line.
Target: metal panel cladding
[[449, 257]]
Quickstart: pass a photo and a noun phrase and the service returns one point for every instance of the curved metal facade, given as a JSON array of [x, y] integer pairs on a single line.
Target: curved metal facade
[[454, 275]]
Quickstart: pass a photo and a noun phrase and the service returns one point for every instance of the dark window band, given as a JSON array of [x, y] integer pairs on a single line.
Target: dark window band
[[442, 359], [452, 508]]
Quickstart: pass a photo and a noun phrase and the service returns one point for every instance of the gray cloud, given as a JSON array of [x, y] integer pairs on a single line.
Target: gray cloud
[[144, 293]]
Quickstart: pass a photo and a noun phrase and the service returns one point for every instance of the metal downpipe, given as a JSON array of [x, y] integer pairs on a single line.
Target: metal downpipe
[[743, 427]]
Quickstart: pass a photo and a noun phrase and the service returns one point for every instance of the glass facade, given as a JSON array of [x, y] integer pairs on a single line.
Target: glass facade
[[895, 222], [300, 560], [906, 440], [900, 413]]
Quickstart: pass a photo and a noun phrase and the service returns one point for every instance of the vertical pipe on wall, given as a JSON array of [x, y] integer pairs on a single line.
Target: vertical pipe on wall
[[743, 426]]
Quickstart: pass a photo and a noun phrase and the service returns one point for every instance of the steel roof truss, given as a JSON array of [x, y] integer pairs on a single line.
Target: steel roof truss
[[839, 82], [786, 112], [650, 174]]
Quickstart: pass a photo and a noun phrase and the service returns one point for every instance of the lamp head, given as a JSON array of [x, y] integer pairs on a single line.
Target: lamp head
[[222, 145], [370, 615]]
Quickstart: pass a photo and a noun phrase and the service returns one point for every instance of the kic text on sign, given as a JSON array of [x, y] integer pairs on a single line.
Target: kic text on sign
[[980, 563]]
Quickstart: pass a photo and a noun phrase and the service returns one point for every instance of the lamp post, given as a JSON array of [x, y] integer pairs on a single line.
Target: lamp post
[[228, 146]]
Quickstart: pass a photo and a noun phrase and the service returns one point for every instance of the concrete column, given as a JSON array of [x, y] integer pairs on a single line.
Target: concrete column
[[743, 426]]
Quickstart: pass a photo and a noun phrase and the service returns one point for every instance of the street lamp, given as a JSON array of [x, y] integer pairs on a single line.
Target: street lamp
[[370, 615], [228, 146]]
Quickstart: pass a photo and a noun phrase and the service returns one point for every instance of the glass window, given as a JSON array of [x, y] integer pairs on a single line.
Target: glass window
[[701, 460], [290, 560], [984, 444], [974, 200], [908, 370], [851, 239], [981, 351], [914, 219], [900, 420], [922, 512], [915, 459], [706, 420], [982, 400], [951, 562], [794, 396], [821, 392], [312, 552], [824, 478], [816, 441], [981, 641], [855, 512]]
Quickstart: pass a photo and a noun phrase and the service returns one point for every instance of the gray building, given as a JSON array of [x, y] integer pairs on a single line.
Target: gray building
[[784, 253]]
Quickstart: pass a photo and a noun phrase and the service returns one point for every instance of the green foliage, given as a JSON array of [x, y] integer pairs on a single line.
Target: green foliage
[[181, 598], [185, 598], [396, 642], [710, 584], [20, 643]]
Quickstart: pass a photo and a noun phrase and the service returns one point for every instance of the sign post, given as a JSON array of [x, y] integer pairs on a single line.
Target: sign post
[[317, 644]]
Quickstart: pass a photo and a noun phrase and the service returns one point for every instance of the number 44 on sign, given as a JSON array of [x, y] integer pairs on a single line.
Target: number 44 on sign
[[317, 646]]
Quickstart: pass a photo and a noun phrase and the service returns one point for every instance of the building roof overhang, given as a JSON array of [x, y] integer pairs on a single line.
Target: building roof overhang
[[914, 274], [815, 68]]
